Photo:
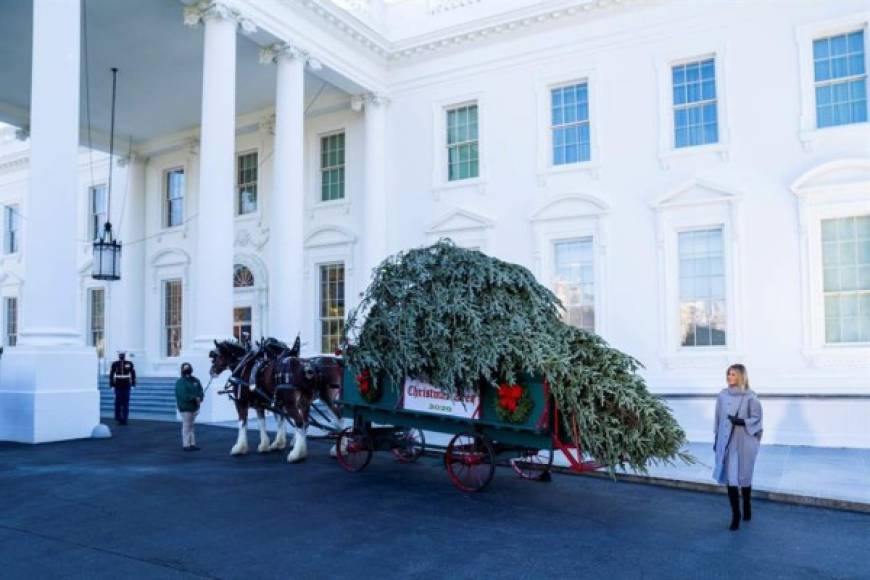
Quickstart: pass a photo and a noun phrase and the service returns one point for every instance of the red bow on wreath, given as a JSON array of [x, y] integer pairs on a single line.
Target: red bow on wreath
[[364, 382], [509, 396]]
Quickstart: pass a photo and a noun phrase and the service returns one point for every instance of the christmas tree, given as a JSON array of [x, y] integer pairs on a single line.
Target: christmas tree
[[458, 318]]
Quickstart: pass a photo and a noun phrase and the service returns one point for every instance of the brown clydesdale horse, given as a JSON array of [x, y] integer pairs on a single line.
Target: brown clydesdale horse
[[273, 377]]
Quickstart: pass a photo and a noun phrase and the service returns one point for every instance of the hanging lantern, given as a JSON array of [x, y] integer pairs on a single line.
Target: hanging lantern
[[107, 250], [107, 256]]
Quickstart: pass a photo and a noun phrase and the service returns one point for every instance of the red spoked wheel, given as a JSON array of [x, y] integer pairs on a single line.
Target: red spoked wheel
[[409, 444], [533, 464], [470, 461], [353, 449]]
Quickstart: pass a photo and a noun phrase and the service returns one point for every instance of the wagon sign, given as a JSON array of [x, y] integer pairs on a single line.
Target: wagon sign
[[420, 396]]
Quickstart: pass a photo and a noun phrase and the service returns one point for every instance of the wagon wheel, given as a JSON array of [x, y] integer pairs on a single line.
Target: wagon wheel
[[410, 444], [470, 461], [353, 449], [533, 464]]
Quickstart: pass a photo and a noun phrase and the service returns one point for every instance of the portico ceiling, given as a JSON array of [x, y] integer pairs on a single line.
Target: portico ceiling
[[160, 62]]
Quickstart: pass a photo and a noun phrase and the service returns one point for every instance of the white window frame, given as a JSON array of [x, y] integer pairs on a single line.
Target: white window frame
[[253, 214], [164, 284], [14, 210], [697, 205], [810, 136], [543, 88], [319, 173], [685, 52], [327, 245], [440, 181], [91, 214], [89, 329], [822, 194], [319, 293], [5, 321], [554, 242], [168, 264], [164, 199], [571, 217]]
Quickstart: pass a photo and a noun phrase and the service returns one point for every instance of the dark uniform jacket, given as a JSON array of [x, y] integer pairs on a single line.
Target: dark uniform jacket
[[122, 374]]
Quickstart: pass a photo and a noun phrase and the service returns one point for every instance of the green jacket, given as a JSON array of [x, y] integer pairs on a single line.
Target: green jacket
[[188, 391]]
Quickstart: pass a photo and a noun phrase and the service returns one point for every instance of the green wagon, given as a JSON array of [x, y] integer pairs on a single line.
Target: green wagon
[[395, 416]]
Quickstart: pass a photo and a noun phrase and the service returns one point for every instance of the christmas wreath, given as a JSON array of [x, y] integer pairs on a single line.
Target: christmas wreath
[[513, 404], [368, 388]]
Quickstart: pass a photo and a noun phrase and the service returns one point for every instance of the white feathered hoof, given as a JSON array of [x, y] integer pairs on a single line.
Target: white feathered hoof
[[333, 451], [278, 445], [239, 449], [297, 454], [264, 446]]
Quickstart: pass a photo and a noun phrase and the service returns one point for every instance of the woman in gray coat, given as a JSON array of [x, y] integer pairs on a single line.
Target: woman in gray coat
[[738, 430]]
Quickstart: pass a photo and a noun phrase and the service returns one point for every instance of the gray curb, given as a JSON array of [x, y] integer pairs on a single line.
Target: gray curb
[[777, 496]]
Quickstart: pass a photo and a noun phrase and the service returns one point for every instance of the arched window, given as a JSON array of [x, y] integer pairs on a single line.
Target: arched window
[[242, 277]]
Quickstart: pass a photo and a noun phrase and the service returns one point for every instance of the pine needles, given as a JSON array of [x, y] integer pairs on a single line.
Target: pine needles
[[456, 317]]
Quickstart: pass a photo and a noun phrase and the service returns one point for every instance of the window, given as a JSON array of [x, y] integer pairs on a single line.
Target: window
[[840, 79], [462, 143], [172, 318], [331, 306], [247, 183], [702, 288], [242, 322], [10, 331], [569, 123], [98, 215], [242, 277], [174, 209], [97, 319], [695, 114], [574, 281], [846, 264], [332, 167], [10, 229]]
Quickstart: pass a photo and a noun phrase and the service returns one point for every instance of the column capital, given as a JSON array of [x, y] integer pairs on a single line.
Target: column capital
[[278, 50], [211, 9], [357, 102], [266, 124], [130, 159]]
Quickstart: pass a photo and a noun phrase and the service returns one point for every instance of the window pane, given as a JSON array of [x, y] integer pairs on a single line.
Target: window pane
[[574, 281], [702, 288]]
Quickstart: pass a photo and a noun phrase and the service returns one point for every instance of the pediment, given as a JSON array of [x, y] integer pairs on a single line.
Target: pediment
[[170, 257], [833, 175], [329, 236], [696, 192], [459, 220], [573, 205]]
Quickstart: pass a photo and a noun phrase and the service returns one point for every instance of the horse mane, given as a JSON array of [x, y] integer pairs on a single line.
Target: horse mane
[[231, 347]]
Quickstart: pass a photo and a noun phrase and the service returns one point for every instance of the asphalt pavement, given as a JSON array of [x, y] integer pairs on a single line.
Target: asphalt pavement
[[137, 506]]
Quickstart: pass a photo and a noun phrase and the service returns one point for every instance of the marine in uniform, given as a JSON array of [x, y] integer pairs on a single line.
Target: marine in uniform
[[122, 377]]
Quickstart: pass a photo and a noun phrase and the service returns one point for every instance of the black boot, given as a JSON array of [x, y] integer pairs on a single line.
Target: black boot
[[734, 499], [747, 503]]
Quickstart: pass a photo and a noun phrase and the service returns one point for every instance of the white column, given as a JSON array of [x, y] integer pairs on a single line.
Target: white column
[[48, 384], [287, 201], [125, 320], [375, 204], [212, 288]]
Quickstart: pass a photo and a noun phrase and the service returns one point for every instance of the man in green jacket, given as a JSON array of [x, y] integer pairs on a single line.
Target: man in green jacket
[[188, 396]]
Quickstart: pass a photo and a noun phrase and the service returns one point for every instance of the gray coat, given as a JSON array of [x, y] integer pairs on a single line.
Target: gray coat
[[736, 446]]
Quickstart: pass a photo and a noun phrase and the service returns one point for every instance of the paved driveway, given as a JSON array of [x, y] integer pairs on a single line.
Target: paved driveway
[[136, 506]]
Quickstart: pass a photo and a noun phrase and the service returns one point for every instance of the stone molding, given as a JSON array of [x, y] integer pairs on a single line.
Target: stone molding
[[206, 9], [270, 54]]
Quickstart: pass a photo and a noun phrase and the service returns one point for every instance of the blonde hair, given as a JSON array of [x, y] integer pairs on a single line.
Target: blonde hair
[[742, 372]]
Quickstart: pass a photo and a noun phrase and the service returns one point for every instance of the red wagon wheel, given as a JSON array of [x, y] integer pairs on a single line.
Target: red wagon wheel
[[470, 461], [353, 449], [533, 464], [410, 444]]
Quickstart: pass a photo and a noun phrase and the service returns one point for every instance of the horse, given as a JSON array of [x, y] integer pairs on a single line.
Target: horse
[[230, 355], [276, 379]]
